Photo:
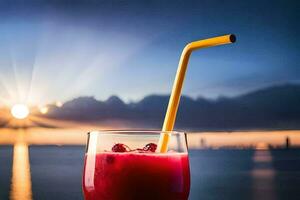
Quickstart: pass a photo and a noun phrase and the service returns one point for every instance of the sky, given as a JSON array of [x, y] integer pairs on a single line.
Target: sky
[[54, 50]]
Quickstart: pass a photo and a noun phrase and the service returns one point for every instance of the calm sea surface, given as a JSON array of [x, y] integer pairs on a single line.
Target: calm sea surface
[[216, 174]]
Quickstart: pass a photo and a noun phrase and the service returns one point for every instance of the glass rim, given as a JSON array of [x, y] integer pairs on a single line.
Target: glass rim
[[135, 132]]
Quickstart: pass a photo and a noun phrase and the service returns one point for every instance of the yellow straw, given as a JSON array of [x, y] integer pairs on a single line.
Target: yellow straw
[[177, 85]]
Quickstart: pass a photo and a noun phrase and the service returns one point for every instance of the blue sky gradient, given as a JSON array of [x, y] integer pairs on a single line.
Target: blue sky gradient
[[57, 50]]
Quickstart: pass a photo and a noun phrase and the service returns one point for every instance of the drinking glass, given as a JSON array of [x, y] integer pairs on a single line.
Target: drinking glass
[[120, 165]]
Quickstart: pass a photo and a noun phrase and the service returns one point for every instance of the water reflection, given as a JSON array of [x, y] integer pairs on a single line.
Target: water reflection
[[263, 176], [21, 179]]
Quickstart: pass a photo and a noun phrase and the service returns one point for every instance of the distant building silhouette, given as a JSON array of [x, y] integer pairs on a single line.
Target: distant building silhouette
[[202, 143], [287, 142]]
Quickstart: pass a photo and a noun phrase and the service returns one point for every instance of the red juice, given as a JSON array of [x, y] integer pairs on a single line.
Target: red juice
[[136, 176]]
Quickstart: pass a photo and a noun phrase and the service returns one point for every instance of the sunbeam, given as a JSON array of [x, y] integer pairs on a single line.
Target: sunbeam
[[49, 62], [18, 44]]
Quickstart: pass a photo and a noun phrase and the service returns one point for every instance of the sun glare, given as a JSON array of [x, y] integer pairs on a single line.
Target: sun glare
[[44, 110], [19, 111]]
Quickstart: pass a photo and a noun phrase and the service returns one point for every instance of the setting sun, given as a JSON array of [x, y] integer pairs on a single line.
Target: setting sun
[[20, 111]]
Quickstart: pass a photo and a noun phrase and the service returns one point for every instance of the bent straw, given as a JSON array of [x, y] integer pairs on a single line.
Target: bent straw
[[177, 85]]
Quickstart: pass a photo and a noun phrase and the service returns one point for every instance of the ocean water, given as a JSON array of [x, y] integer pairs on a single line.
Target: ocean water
[[216, 174], [6, 153]]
